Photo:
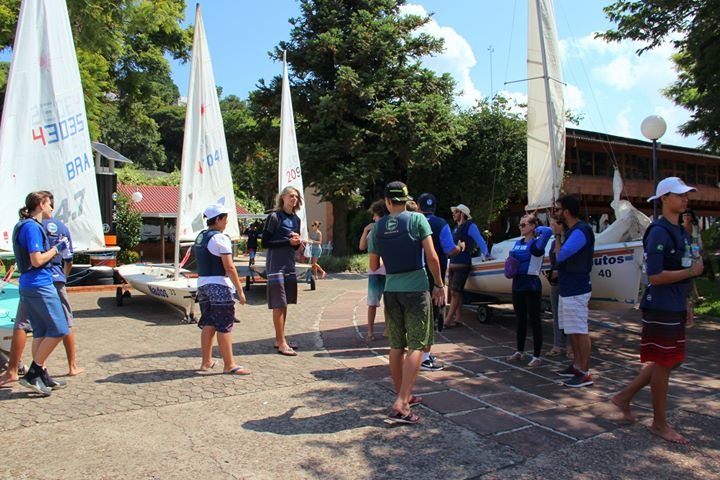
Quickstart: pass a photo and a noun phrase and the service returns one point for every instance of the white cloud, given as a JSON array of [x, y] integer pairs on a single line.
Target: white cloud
[[457, 59]]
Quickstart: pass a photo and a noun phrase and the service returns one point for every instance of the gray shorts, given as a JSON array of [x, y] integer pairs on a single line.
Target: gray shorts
[[22, 320]]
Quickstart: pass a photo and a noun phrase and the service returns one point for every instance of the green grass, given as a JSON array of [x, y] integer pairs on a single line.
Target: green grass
[[711, 291]]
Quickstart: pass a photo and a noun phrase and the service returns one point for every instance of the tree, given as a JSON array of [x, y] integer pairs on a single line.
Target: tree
[[129, 227], [691, 26], [489, 171], [366, 110]]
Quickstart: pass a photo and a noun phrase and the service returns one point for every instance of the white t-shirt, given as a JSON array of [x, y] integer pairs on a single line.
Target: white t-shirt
[[218, 245]]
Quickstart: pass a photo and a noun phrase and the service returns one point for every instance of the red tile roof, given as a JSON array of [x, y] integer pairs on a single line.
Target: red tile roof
[[158, 201]]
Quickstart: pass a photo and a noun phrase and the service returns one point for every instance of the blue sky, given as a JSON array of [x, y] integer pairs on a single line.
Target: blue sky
[[608, 84]]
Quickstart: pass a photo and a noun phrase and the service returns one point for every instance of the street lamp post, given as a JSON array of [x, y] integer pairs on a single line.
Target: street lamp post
[[652, 128]]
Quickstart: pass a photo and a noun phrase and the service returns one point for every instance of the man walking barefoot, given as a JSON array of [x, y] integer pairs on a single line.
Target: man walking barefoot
[[664, 306]]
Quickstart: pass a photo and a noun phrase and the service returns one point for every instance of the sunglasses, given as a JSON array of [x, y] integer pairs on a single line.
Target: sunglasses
[[523, 225]]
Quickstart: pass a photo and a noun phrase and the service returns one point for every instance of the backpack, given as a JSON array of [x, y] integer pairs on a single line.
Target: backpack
[[512, 265]]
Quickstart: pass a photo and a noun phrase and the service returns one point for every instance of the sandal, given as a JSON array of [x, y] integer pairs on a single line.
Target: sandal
[[238, 371], [398, 418], [555, 352], [289, 352], [535, 362], [415, 401], [515, 357]]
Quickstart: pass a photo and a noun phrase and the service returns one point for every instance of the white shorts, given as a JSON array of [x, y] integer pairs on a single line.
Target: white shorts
[[573, 314]]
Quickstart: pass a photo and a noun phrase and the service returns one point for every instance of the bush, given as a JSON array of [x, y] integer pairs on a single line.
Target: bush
[[349, 263], [125, 257]]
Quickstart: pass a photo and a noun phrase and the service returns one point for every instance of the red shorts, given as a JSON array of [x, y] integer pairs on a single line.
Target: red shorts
[[663, 337]]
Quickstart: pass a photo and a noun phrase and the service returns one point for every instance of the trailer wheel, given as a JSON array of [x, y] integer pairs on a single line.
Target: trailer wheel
[[247, 283], [119, 296], [484, 313], [312, 283]]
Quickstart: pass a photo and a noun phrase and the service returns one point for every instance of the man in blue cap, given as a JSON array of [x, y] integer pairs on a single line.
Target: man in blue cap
[[444, 248]]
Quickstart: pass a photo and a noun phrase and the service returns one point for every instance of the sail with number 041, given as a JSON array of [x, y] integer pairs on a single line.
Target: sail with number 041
[[44, 135], [289, 170], [206, 176]]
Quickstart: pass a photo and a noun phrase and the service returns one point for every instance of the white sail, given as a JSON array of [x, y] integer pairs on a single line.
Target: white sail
[[44, 135], [205, 168], [546, 108], [289, 170]]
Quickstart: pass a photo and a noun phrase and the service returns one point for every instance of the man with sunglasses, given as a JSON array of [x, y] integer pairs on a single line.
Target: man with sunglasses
[[574, 260]]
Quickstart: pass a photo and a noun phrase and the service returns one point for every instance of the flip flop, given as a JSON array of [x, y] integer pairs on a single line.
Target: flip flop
[[415, 401], [291, 345], [288, 353], [212, 365], [238, 371], [554, 352], [398, 418]]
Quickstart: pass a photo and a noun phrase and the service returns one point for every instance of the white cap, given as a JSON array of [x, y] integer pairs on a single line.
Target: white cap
[[214, 210], [464, 209], [670, 185]]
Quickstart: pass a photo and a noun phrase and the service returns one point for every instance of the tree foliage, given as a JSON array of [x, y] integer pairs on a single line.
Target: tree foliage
[[488, 171], [692, 27], [366, 110]]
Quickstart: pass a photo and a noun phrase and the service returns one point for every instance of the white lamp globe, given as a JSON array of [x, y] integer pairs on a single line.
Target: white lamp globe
[[653, 127], [137, 197]]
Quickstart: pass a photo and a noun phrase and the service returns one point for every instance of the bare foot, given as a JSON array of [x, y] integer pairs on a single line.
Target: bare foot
[[7, 378], [667, 433], [624, 407], [370, 338], [75, 371]]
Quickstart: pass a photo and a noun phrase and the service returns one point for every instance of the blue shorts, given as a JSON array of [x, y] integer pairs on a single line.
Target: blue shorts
[[376, 287], [22, 321], [217, 307], [45, 311]]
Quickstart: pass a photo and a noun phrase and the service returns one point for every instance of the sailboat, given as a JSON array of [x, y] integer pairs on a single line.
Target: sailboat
[[206, 178], [44, 134], [289, 175], [617, 259]]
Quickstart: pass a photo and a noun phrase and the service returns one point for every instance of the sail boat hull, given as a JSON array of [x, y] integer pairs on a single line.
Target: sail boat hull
[[615, 277], [158, 282]]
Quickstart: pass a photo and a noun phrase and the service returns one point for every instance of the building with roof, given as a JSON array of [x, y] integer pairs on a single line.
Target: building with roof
[[158, 207]]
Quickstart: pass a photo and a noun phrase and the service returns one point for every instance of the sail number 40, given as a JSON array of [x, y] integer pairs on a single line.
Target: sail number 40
[[606, 273], [64, 129], [293, 173]]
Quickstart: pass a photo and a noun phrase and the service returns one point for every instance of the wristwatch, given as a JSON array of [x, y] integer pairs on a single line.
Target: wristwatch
[[439, 286]]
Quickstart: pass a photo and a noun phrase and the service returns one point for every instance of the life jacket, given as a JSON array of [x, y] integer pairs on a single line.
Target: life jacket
[[209, 265], [400, 251], [460, 234], [672, 260], [528, 264], [22, 256], [582, 261]]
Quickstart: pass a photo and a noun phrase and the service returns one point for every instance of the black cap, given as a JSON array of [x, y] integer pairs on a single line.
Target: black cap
[[428, 202], [397, 191]]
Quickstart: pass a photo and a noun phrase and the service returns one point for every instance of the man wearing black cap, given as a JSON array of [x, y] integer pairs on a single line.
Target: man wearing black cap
[[444, 247], [400, 239]]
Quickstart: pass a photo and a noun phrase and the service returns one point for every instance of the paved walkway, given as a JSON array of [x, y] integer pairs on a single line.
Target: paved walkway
[[141, 410]]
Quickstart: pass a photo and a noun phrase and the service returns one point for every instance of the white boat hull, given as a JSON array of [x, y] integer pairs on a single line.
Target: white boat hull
[[158, 282], [615, 277]]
